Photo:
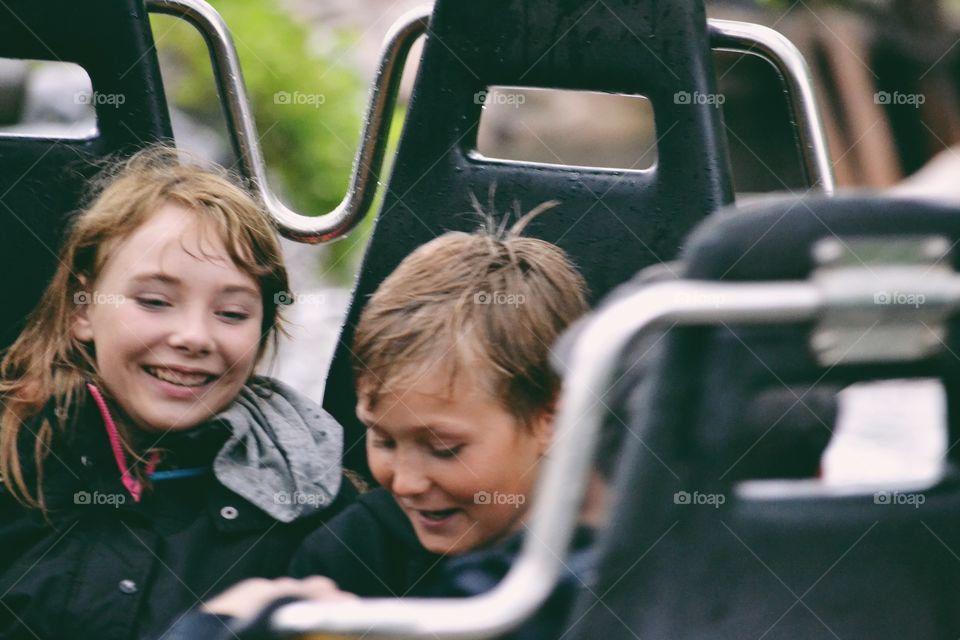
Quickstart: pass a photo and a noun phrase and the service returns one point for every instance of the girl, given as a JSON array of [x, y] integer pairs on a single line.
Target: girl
[[143, 463]]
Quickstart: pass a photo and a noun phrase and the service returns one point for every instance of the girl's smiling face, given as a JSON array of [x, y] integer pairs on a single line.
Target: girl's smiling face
[[174, 324], [460, 466]]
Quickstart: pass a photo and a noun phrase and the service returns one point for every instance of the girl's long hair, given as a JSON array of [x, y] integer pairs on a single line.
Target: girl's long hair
[[43, 373]]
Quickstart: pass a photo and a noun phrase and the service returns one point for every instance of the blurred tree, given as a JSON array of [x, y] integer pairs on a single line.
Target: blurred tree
[[307, 100]]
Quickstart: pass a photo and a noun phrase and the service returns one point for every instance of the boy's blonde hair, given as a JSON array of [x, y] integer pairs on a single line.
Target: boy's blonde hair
[[491, 302], [47, 364]]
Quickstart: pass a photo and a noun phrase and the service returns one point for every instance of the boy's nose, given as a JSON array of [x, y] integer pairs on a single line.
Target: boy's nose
[[409, 479]]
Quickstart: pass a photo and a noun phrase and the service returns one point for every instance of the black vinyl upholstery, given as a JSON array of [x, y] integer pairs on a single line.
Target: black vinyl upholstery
[[784, 568], [42, 180]]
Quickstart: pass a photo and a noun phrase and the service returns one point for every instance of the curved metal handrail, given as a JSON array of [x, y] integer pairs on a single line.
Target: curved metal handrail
[[243, 132], [746, 37], [741, 37]]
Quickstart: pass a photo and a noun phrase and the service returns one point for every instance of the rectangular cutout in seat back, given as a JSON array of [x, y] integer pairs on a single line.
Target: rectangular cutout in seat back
[[561, 127], [41, 99]]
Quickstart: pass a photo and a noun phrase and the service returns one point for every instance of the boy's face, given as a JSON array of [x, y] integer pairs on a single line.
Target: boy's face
[[460, 466], [174, 323]]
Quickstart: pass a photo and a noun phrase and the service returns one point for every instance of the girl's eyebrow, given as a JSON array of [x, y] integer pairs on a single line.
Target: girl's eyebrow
[[161, 277], [166, 278]]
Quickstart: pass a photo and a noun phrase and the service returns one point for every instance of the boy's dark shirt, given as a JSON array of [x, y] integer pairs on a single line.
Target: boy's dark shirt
[[369, 549], [373, 535]]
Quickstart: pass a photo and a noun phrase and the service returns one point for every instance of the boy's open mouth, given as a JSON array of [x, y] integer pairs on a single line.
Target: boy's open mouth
[[180, 378], [438, 515]]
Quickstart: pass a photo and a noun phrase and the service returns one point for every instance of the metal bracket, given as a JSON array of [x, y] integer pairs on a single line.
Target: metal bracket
[[900, 308]]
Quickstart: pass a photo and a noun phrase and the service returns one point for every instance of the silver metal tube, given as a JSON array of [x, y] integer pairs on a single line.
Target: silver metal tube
[[561, 486], [243, 131], [745, 37]]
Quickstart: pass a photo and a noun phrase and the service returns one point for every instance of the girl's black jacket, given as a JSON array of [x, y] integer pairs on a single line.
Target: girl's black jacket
[[99, 565]]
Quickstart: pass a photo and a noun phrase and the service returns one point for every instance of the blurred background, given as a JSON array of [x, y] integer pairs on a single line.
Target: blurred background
[[887, 74]]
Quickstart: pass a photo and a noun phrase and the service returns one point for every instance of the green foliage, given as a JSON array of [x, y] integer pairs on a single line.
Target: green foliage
[[308, 104]]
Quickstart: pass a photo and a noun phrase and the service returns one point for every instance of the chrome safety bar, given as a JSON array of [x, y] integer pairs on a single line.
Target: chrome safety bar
[[243, 130], [746, 37]]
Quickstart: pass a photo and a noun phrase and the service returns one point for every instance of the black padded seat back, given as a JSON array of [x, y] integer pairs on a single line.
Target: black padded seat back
[[42, 180], [677, 561], [612, 222]]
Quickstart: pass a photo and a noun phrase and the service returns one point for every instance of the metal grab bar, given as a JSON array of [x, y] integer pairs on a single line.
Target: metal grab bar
[[243, 131], [741, 37], [774, 47]]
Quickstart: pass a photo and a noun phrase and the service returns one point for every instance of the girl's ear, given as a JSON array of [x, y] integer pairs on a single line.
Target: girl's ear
[[81, 328]]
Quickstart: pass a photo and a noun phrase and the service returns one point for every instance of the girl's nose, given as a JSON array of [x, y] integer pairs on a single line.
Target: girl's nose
[[192, 334]]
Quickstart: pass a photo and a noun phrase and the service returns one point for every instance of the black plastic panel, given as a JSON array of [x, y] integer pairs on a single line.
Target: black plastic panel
[[613, 223], [41, 180]]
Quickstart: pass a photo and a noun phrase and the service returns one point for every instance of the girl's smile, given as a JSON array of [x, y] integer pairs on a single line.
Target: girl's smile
[[174, 324]]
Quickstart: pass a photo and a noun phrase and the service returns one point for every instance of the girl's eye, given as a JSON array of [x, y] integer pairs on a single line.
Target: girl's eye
[[233, 316], [153, 303], [446, 453]]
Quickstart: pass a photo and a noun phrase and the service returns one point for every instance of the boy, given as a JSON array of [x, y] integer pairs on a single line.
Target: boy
[[455, 386]]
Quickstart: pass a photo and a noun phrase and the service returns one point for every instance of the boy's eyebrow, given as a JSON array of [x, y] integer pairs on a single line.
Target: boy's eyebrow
[[435, 430], [166, 278]]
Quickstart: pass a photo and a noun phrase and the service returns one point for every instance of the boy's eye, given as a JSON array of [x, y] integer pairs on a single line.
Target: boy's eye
[[152, 302], [446, 453], [382, 443]]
